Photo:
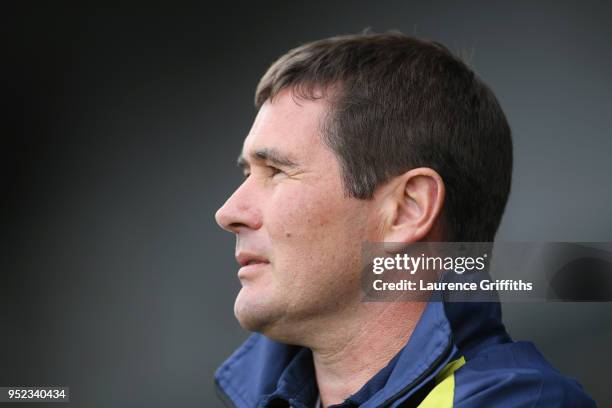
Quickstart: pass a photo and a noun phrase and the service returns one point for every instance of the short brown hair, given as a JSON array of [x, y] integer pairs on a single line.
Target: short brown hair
[[398, 103]]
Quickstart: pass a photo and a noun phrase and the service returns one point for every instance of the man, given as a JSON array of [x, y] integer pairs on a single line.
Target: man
[[371, 138]]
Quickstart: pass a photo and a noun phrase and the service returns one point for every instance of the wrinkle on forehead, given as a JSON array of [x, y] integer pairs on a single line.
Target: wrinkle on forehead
[[290, 128]]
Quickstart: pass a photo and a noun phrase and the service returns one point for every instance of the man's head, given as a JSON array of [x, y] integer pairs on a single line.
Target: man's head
[[359, 138]]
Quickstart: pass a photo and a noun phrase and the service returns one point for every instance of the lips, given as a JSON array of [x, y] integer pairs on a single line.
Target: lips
[[247, 258]]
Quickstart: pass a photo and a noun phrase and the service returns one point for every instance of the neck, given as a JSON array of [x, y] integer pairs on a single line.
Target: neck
[[348, 356]]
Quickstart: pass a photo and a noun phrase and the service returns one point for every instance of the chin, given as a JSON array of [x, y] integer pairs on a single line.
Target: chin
[[253, 314]]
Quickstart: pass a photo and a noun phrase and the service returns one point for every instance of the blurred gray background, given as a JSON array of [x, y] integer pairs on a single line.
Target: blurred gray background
[[121, 132]]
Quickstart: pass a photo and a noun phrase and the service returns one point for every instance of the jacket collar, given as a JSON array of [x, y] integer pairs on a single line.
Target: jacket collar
[[263, 370]]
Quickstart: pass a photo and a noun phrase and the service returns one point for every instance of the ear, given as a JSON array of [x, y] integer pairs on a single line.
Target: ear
[[415, 206]]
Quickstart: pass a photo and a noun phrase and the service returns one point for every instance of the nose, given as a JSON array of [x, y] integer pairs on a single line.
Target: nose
[[240, 211]]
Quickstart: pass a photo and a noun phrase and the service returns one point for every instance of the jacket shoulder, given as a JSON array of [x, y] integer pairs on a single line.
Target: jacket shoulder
[[515, 375]]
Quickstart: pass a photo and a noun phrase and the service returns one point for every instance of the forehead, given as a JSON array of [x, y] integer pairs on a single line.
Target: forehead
[[287, 124]]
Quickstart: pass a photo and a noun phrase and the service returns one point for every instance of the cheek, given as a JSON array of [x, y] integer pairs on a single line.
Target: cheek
[[311, 230], [303, 217], [315, 243]]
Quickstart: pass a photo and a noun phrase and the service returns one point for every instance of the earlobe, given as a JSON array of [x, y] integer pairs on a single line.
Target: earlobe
[[417, 202]]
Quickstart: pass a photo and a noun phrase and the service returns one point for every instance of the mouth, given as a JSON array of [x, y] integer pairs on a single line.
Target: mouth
[[245, 259], [250, 262]]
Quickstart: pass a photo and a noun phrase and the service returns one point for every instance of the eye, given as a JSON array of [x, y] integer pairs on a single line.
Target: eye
[[273, 171]]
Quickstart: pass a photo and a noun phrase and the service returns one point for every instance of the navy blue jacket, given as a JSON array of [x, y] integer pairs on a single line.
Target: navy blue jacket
[[459, 355]]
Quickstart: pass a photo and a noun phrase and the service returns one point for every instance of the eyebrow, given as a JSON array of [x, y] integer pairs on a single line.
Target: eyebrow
[[269, 155]]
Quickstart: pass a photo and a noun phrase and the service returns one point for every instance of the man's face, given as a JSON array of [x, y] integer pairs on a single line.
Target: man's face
[[297, 234]]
